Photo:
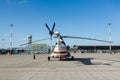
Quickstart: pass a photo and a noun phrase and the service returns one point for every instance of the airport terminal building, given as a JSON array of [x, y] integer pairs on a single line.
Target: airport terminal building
[[98, 48], [44, 48]]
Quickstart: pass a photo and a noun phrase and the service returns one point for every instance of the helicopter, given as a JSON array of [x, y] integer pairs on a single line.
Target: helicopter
[[60, 49]]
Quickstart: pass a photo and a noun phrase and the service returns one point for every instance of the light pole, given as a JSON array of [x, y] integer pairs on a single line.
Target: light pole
[[11, 29], [3, 43], [95, 51], [110, 38], [3, 40]]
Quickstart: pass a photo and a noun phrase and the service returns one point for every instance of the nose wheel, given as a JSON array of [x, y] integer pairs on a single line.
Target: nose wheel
[[60, 58], [72, 58], [48, 58]]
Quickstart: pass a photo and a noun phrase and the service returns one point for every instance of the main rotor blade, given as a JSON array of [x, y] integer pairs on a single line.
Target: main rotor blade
[[35, 41], [86, 38], [47, 27], [53, 27], [23, 44], [40, 40], [50, 31]]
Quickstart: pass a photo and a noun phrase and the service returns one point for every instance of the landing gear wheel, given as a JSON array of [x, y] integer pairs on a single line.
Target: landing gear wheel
[[48, 58], [60, 58], [72, 57]]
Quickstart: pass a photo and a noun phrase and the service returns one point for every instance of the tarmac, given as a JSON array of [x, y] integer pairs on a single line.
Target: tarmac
[[86, 66]]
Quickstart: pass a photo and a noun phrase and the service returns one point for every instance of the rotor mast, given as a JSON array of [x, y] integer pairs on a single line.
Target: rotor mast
[[58, 37]]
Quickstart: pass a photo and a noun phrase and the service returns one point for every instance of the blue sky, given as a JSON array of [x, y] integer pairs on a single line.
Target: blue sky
[[85, 18]]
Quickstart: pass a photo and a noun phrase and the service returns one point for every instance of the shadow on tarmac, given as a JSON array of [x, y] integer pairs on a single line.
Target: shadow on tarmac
[[85, 61], [88, 61]]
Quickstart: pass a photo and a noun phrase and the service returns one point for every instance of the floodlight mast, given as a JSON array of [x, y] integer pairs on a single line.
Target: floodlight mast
[[11, 29], [110, 38]]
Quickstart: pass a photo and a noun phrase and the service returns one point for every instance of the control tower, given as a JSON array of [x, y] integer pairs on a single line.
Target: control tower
[[30, 39]]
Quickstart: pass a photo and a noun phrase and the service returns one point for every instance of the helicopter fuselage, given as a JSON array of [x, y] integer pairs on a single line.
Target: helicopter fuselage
[[60, 50]]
